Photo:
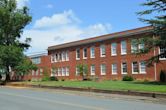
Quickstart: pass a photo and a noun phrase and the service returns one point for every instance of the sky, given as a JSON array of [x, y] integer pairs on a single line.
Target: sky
[[59, 21]]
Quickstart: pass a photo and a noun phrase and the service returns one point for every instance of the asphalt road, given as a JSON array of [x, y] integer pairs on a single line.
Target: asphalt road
[[27, 99]]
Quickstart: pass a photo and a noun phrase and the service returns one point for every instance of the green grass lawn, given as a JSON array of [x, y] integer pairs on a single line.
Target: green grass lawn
[[108, 85]]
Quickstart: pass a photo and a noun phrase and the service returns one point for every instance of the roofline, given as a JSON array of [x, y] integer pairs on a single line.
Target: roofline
[[103, 37], [37, 55]]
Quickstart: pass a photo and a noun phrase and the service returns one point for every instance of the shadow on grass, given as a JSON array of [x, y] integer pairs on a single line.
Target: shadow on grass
[[150, 83]]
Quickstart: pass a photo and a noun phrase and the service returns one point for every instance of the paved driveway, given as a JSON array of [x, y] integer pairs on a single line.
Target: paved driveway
[[27, 99]]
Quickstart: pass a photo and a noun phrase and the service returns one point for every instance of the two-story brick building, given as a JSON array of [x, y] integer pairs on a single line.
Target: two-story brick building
[[108, 56]]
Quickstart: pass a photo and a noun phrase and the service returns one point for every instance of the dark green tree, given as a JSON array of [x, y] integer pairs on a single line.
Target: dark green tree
[[12, 23], [155, 16]]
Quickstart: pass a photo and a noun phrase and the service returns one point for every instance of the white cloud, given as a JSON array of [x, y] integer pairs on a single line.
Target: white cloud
[[61, 28], [50, 6], [56, 20], [21, 3]]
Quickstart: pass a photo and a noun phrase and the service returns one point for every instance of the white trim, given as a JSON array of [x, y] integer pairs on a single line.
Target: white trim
[[76, 54], [92, 73], [133, 69], [159, 53], [84, 53], [122, 53], [113, 73], [101, 68], [91, 52], [140, 70], [112, 47], [101, 52], [122, 68]]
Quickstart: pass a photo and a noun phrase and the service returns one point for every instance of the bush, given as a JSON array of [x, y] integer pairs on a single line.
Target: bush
[[162, 76], [52, 78], [45, 79], [128, 78]]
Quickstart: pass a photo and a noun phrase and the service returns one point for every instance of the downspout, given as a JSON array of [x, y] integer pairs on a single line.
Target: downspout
[[155, 69]]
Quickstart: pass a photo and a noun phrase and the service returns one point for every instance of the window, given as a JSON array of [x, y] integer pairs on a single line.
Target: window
[[67, 71], [135, 69], [92, 52], [114, 68], [53, 72], [92, 69], [67, 56], [142, 66], [77, 71], [59, 71], [36, 60], [102, 51], [103, 69], [41, 71], [77, 54], [52, 58], [124, 68], [37, 72], [59, 56], [85, 53], [113, 49], [123, 48], [63, 56], [33, 72], [134, 46], [141, 46], [56, 57], [63, 71], [162, 50]]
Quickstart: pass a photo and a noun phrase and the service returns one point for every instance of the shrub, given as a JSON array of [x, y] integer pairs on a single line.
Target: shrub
[[162, 76], [52, 78], [45, 79], [63, 80], [128, 78]]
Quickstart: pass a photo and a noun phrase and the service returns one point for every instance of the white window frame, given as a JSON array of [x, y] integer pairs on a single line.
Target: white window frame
[[41, 71], [37, 72], [59, 72], [140, 67], [53, 72], [92, 52], [77, 54], [122, 68], [92, 69], [114, 49], [123, 49], [101, 69], [67, 55], [134, 47], [33, 72], [63, 56], [133, 68], [160, 53], [84, 53], [67, 71], [113, 67], [102, 50], [63, 71], [77, 71], [52, 58]]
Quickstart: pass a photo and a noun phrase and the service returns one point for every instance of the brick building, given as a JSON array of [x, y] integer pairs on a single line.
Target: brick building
[[108, 56]]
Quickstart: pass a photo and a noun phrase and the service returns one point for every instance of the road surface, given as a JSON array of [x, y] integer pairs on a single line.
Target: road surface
[[29, 99]]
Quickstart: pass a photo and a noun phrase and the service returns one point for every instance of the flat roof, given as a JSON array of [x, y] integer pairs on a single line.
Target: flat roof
[[103, 37]]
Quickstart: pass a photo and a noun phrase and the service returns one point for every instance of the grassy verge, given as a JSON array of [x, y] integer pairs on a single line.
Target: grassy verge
[[108, 85]]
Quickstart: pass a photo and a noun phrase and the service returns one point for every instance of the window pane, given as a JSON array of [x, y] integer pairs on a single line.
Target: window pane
[[124, 67], [142, 67], [92, 52], [135, 67], [92, 69], [114, 68], [163, 50], [103, 69], [123, 47], [102, 51], [85, 53], [113, 49], [77, 54]]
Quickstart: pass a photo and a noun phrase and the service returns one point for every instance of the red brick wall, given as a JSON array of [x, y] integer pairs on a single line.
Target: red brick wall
[[108, 60]]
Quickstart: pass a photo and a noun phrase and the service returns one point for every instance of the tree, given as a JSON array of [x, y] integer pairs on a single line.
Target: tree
[[82, 70], [24, 67], [12, 23], [157, 9]]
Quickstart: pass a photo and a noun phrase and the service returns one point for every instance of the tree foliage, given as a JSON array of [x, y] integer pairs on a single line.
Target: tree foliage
[[82, 70], [12, 23], [157, 11]]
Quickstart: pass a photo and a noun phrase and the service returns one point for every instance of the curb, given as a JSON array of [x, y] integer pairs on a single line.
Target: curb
[[129, 92]]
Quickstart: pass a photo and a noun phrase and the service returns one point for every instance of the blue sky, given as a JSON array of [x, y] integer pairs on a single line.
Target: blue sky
[[59, 21]]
